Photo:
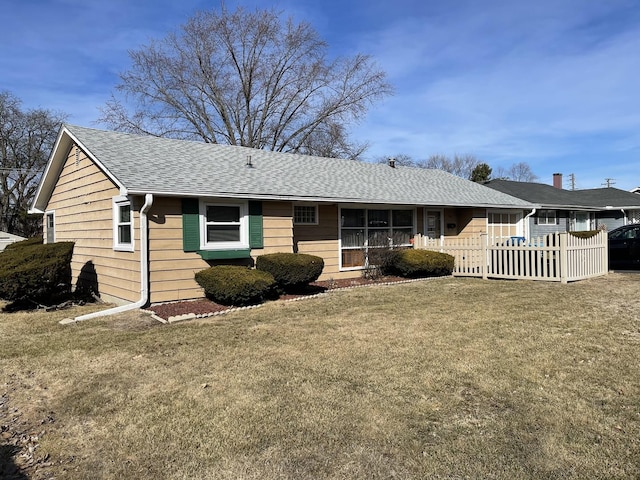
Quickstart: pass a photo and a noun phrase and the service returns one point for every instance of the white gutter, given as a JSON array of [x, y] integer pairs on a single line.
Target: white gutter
[[144, 271]]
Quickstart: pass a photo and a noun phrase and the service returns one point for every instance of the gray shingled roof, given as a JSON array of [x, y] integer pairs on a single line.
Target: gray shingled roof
[[145, 164], [608, 197], [549, 196]]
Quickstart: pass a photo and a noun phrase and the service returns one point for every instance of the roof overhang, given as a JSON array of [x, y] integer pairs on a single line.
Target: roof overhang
[[339, 200]]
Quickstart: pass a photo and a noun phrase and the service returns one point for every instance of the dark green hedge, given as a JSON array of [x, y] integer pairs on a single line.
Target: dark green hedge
[[292, 271], [36, 272], [414, 263], [236, 285]]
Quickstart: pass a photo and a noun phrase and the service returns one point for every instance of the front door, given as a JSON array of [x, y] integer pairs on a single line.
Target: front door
[[582, 223], [433, 224]]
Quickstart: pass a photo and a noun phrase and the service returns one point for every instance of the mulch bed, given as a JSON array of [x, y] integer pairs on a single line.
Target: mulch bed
[[204, 307]]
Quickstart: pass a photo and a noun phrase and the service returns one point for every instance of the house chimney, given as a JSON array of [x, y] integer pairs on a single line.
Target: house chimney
[[557, 180], [392, 162]]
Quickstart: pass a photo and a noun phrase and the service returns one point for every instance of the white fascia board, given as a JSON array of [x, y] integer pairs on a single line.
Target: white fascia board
[[58, 156]]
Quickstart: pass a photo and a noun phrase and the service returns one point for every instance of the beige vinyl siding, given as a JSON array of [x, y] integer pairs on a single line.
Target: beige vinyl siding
[[82, 202], [469, 222], [172, 271], [277, 228], [322, 240]]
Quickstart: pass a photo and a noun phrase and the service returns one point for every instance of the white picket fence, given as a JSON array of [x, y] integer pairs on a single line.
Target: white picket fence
[[558, 257]]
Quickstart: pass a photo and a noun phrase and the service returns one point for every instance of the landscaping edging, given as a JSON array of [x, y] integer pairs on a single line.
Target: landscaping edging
[[216, 309]]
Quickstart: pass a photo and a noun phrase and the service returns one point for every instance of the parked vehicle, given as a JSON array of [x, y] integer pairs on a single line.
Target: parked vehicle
[[624, 247]]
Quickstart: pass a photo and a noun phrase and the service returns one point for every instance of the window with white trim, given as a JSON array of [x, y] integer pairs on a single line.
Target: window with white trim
[[224, 226], [363, 229], [122, 224], [503, 224], [547, 217], [305, 214]]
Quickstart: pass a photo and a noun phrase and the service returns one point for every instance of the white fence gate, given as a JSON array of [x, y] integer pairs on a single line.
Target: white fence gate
[[558, 257]]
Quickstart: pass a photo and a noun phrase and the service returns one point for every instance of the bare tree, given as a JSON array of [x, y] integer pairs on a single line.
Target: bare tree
[[521, 172], [246, 78], [331, 141], [26, 138], [460, 165]]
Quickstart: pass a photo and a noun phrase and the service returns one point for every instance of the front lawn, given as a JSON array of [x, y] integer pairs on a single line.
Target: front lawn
[[444, 378]]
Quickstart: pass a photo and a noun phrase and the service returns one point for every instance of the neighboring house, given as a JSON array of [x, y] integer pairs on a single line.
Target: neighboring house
[[147, 213], [7, 238], [572, 210], [615, 207]]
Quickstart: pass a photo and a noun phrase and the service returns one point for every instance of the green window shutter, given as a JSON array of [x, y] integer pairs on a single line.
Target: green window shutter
[[256, 239], [190, 225]]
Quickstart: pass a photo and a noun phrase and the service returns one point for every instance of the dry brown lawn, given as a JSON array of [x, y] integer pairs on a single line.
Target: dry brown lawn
[[445, 378]]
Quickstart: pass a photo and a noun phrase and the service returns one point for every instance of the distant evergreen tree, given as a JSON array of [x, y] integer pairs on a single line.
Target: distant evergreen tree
[[481, 173]]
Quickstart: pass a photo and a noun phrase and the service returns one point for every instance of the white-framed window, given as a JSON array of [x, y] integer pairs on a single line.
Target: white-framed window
[[363, 229], [547, 217], [502, 224], [224, 225], [50, 219], [305, 214], [122, 224]]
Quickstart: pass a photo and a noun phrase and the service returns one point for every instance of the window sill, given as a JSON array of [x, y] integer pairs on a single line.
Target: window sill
[[224, 254]]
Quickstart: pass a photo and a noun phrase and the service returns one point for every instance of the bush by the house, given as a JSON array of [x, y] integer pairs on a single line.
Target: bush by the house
[[422, 263], [36, 273], [236, 285], [381, 262], [292, 271], [585, 234]]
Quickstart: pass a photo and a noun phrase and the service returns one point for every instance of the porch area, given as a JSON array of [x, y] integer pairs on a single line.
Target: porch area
[[557, 257]]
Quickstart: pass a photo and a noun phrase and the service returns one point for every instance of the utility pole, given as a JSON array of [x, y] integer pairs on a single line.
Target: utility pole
[[572, 180], [609, 182]]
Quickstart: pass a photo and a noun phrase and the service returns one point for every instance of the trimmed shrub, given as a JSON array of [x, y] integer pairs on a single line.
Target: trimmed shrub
[[24, 243], [381, 262], [422, 263], [36, 272], [292, 271], [585, 234], [236, 285]]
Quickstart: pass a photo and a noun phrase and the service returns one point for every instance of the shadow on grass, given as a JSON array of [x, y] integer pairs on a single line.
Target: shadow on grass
[[8, 469]]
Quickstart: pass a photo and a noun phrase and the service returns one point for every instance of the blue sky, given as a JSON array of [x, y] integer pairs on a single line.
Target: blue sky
[[554, 83]]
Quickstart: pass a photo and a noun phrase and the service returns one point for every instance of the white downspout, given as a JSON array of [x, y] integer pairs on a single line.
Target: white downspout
[[144, 271], [624, 216], [526, 223]]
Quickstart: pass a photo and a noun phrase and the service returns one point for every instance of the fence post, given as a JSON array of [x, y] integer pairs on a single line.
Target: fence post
[[484, 243], [605, 250], [564, 257]]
